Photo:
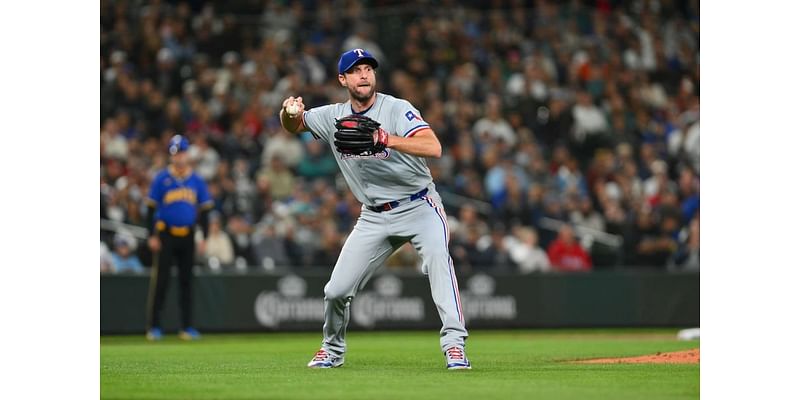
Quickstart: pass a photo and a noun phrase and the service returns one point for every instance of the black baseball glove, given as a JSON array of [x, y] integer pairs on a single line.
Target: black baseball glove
[[359, 135]]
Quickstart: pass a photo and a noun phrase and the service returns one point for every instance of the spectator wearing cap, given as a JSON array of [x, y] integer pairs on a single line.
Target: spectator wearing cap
[[124, 260]]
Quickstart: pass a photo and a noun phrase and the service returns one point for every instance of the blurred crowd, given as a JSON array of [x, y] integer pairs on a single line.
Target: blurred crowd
[[570, 130]]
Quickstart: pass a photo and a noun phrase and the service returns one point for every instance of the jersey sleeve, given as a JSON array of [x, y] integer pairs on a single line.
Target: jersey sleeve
[[156, 191], [204, 199], [320, 121], [407, 119]]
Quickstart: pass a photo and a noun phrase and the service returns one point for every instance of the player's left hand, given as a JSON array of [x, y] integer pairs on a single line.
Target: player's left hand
[[359, 135], [381, 139], [154, 243], [201, 247]]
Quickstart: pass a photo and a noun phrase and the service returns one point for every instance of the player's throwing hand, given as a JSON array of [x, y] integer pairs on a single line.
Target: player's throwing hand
[[293, 106]]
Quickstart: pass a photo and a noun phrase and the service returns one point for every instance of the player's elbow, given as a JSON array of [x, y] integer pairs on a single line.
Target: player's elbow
[[436, 150]]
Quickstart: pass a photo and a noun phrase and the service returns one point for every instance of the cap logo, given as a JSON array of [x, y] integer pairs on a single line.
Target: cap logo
[[359, 51], [177, 144]]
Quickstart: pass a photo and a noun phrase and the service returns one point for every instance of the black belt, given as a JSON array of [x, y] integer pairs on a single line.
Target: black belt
[[397, 203]]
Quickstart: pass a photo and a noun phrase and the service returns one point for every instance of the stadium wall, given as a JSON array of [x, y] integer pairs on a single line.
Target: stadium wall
[[263, 302]]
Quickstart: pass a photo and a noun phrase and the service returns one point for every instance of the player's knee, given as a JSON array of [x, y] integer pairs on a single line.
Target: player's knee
[[334, 293]]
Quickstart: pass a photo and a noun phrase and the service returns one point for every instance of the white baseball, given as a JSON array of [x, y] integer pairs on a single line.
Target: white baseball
[[292, 109]]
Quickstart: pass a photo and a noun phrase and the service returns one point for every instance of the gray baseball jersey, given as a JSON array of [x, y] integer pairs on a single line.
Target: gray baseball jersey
[[386, 176]]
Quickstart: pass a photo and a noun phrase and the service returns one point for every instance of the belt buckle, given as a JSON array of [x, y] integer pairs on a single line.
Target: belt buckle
[[386, 206]]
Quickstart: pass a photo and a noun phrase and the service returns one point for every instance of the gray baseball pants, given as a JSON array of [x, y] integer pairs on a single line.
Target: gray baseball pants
[[373, 239]]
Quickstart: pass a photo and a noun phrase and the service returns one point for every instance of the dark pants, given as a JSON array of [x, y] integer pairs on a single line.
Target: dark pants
[[174, 250]]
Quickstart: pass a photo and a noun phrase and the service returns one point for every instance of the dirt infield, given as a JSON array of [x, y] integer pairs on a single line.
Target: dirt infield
[[676, 357]]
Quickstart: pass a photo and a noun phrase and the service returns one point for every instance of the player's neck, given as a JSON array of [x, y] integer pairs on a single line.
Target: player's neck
[[359, 107], [179, 172]]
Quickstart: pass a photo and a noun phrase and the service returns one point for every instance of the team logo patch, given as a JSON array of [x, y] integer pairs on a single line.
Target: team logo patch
[[411, 116]]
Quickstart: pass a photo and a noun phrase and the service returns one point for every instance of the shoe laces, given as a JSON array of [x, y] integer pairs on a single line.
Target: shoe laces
[[321, 355], [455, 353]]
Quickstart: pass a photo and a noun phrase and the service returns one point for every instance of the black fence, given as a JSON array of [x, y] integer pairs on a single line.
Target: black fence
[[264, 302]]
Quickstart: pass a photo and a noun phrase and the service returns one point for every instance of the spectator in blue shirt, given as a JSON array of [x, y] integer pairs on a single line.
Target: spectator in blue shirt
[[124, 260]]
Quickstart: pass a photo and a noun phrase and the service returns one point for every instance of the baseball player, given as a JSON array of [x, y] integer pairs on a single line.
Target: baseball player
[[178, 199], [382, 142]]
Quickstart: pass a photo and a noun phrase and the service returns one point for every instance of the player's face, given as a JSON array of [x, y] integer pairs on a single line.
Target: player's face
[[360, 82], [180, 159]]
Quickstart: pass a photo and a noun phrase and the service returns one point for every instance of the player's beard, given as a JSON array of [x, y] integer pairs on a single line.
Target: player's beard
[[361, 98]]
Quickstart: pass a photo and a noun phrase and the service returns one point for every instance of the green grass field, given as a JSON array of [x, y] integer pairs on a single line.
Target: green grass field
[[529, 364]]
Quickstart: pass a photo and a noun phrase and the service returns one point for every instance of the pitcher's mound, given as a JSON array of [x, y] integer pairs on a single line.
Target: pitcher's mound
[[676, 357]]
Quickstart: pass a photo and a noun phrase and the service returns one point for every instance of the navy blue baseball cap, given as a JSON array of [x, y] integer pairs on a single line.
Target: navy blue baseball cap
[[178, 143], [350, 58]]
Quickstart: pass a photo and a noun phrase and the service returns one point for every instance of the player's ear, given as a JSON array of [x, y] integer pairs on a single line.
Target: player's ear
[[342, 80]]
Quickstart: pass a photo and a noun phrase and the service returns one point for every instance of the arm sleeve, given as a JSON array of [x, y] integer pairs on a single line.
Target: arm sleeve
[[151, 218], [203, 220], [153, 200], [320, 121], [206, 203], [204, 199], [408, 120], [155, 195]]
